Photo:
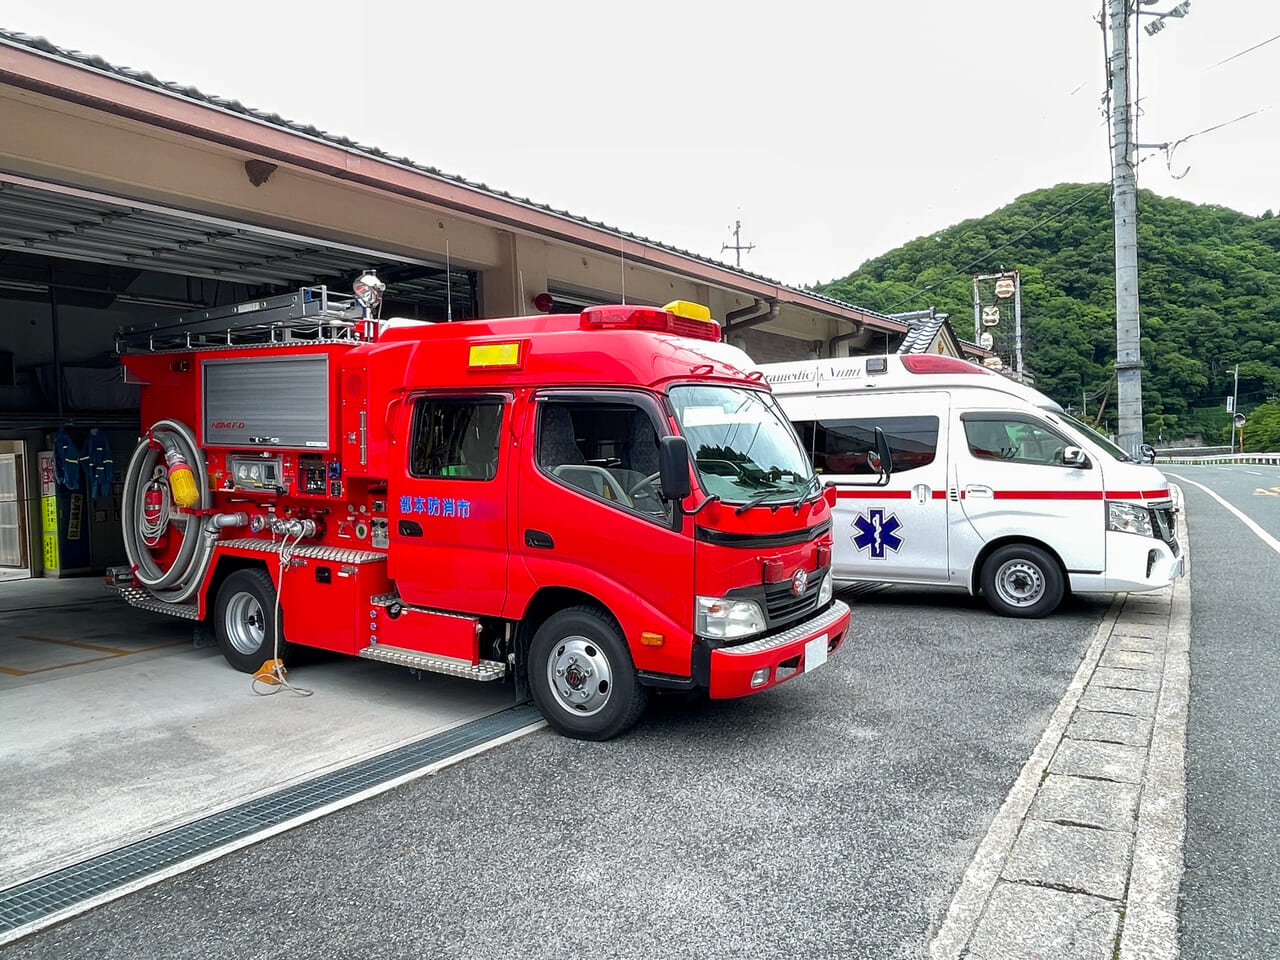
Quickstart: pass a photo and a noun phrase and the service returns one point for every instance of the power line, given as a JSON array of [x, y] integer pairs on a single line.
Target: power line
[[1243, 52]]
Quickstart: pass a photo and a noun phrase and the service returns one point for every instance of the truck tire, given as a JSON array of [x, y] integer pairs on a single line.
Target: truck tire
[[1021, 580], [582, 677], [244, 618]]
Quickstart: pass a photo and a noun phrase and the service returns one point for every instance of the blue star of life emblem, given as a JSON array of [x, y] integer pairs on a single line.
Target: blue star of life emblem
[[877, 532]]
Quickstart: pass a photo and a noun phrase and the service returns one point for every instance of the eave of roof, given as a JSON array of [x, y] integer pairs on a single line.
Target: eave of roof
[[36, 64]]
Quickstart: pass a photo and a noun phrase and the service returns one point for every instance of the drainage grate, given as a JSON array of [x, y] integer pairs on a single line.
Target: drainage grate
[[27, 903]]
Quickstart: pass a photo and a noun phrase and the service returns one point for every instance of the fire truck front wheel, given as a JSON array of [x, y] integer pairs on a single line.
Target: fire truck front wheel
[[244, 617], [582, 676]]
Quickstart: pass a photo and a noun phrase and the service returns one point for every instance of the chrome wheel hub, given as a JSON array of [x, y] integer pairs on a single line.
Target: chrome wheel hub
[[580, 676]]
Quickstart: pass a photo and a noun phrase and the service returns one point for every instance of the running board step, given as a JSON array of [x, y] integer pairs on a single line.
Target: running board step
[[146, 600], [433, 663]]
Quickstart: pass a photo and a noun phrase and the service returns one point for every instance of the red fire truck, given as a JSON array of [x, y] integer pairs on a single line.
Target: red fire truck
[[592, 505]]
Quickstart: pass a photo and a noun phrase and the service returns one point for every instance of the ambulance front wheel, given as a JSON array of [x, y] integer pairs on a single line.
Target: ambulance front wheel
[[582, 677], [245, 620], [1020, 580]]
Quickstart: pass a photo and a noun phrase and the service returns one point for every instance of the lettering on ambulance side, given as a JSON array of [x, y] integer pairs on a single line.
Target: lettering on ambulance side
[[876, 532], [436, 507]]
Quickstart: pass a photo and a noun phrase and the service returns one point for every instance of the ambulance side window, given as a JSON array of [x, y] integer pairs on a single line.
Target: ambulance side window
[[1012, 437], [841, 446], [455, 437]]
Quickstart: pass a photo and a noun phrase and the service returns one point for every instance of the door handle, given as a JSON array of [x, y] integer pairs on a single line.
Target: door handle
[[536, 538], [409, 528], [978, 490]]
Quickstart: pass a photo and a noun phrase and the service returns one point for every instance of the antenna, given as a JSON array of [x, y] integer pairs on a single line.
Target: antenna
[[737, 246], [448, 286], [622, 259]]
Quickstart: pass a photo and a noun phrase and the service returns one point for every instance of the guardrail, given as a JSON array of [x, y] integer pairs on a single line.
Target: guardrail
[[1265, 458]]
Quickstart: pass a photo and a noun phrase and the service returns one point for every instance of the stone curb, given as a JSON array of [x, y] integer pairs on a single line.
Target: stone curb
[[1084, 858]]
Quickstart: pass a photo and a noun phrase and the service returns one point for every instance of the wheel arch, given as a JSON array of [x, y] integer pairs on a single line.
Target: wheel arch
[[546, 602], [975, 572]]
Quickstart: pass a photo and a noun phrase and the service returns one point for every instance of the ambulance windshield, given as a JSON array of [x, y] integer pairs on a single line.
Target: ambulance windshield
[[1095, 436], [743, 446]]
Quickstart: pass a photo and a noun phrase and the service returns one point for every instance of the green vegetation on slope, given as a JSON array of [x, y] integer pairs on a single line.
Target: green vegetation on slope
[[1209, 289]]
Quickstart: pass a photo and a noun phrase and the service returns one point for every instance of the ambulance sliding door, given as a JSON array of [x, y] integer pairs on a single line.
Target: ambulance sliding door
[[897, 532]]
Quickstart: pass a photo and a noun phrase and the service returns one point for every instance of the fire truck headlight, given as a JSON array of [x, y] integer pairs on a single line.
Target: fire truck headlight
[[719, 618], [824, 592], [1129, 518]]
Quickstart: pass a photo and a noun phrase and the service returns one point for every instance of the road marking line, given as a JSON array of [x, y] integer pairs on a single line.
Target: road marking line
[[1265, 537], [114, 651]]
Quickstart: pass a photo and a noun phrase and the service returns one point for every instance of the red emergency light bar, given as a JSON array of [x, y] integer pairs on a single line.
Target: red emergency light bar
[[934, 363], [648, 318]]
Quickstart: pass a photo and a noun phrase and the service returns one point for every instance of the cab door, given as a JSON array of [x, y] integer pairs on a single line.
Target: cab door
[[892, 533], [591, 518], [447, 502], [1012, 482]]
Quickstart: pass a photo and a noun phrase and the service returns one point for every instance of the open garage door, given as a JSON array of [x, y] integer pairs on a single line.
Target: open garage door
[[76, 266]]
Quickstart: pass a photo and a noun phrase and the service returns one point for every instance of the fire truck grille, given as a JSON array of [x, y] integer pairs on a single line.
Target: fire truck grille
[[782, 605]]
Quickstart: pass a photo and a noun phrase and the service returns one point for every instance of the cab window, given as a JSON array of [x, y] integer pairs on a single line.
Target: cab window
[[455, 437], [842, 446], [1012, 438], [607, 449]]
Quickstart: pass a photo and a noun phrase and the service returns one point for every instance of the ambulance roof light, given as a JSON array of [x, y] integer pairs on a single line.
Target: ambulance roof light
[[936, 363], [680, 318]]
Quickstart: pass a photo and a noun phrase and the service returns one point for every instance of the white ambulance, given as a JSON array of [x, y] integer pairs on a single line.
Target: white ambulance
[[989, 484]]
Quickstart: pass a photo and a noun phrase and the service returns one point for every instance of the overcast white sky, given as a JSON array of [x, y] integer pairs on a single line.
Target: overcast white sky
[[834, 131]]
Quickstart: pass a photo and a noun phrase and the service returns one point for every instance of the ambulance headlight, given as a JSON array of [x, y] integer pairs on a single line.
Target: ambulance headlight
[[824, 592], [719, 618], [1129, 518]]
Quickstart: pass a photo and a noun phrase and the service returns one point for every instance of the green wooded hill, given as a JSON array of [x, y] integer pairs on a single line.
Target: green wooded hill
[[1209, 290]]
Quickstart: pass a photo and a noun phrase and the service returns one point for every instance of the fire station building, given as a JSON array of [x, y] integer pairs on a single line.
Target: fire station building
[[125, 200]]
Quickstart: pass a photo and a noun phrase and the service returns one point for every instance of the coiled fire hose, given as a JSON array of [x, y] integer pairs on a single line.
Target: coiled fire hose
[[150, 486]]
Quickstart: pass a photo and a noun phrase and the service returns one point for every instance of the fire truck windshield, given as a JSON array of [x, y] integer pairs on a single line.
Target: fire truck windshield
[[742, 444]]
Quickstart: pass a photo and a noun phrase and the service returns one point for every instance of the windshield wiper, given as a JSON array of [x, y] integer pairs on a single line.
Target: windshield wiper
[[757, 498]]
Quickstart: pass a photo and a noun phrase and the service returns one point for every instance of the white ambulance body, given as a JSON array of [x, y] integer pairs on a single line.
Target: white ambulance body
[[993, 487]]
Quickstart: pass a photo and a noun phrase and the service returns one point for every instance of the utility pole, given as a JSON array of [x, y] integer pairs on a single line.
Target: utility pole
[[1235, 410], [737, 246], [1124, 192]]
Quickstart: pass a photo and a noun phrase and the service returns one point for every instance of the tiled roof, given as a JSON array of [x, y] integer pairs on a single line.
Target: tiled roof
[[922, 327]]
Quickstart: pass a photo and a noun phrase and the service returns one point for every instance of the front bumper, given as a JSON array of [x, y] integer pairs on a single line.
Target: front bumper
[[782, 655]]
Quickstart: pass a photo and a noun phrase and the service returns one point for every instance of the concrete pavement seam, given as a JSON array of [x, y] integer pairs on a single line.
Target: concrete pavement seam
[[979, 881]]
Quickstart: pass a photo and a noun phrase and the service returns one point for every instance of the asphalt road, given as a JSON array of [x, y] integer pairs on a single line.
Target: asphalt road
[[832, 817], [1230, 898]]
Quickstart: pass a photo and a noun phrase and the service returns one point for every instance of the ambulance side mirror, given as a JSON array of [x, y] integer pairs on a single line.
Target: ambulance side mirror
[[673, 468], [1074, 457], [1147, 453]]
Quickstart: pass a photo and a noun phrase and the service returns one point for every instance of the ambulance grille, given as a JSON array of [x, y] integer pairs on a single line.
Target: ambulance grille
[[1164, 522]]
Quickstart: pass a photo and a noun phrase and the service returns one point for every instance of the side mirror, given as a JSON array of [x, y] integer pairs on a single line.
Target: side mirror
[[1147, 453], [673, 467], [1074, 457], [883, 461]]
